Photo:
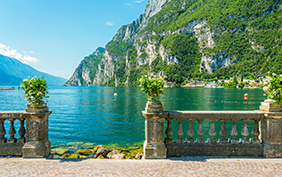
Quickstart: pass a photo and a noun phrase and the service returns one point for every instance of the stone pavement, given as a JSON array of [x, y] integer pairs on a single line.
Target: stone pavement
[[183, 166]]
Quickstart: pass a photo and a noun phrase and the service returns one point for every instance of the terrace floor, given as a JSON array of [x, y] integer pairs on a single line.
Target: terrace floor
[[182, 166]]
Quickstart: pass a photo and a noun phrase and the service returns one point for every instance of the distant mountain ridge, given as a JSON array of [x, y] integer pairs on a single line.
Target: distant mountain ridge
[[12, 72]]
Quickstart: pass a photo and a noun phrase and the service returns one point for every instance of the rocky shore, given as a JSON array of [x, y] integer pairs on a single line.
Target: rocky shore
[[80, 150]]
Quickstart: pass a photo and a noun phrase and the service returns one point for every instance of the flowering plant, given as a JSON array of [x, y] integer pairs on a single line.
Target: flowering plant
[[152, 87], [275, 88], [35, 90]]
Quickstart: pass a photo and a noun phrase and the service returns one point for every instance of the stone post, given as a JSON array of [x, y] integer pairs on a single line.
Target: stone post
[[271, 129], [154, 147], [37, 142]]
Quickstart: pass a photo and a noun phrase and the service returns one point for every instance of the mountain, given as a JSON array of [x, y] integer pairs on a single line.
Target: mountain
[[12, 72], [6, 79], [200, 39], [86, 69]]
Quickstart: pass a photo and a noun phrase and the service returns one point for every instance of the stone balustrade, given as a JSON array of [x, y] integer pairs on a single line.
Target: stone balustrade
[[33, 141], [269, 123], [12, 146]]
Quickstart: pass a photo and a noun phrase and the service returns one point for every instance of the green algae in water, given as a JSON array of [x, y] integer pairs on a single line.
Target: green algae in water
[[74, 150]]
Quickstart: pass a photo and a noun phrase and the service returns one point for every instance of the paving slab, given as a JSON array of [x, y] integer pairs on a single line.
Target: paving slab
[[181, 166]]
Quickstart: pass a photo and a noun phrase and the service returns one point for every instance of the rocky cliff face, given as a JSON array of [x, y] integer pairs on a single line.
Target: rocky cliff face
[[159, 41], [105, 70], [128, 32], [83, 75]]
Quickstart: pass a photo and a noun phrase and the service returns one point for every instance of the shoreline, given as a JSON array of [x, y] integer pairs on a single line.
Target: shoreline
[[80, 150]]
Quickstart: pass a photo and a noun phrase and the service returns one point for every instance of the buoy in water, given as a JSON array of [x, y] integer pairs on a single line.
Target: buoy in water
[[115, 94], [246, 96]]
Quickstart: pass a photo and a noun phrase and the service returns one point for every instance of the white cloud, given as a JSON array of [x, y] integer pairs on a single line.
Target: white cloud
[[7, 51], [132, 2], [28, 52], [129, 4], [109, 23], [138, 1]]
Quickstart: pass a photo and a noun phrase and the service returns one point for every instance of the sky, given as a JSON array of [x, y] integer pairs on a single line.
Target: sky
[[53, 36]]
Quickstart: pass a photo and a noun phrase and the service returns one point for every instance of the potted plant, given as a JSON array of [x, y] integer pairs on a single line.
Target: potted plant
[[35, 91], [152, 87]]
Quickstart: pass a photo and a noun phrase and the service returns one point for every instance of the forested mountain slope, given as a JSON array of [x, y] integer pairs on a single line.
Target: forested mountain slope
[[200, 39]]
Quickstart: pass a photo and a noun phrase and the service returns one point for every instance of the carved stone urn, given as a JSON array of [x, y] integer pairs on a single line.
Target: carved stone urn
[[154, 107]]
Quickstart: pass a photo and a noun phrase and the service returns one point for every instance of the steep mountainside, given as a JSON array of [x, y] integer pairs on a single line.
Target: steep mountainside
[[86, 70], [200, 39], [12, 72]]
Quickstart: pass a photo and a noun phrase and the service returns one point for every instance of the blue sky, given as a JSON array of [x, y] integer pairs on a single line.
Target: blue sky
[[53, 36]]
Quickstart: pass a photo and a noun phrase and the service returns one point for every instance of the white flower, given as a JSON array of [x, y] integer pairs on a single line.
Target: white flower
[[25, 80], [30, 85]]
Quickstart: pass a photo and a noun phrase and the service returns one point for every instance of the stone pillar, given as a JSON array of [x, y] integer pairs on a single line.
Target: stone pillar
[[154, 147], [271, 129], [37, 142]]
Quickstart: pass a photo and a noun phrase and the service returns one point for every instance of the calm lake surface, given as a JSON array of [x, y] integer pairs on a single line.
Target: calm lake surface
[[94, 114]]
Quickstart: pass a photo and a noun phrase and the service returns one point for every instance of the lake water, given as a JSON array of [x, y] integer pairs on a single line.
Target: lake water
[[94, 114]]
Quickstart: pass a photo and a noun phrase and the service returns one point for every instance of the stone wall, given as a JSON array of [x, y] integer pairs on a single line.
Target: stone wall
[[268, 121], [36, 142]]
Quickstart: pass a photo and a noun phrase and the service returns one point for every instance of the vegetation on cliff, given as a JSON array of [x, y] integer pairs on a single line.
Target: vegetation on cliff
[[238, 25]]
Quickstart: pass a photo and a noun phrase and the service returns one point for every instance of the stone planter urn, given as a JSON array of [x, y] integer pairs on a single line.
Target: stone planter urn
[[154, 106], [37, 142]]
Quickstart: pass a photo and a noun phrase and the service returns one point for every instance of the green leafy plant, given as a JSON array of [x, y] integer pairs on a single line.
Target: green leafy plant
[[152, 87], [275, 88], [35, 90]]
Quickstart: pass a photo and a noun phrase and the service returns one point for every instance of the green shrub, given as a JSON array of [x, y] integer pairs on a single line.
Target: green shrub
[[35, 90], [152, 87], [275, 88]]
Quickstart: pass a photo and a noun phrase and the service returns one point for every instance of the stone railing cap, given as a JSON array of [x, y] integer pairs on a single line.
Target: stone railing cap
[[11, 114]]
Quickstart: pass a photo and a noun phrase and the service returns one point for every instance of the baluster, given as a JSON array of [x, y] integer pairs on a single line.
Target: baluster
[[200, 132], [212, 132], [245, 132], [179, 132], [2, 131], [190, 132], [168, 132], [255, 133], [233, 132], [12, 132], [223, 132], [21, 132]]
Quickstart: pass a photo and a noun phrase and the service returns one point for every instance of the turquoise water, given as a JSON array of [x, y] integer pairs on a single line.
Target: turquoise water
[[94, 114]]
